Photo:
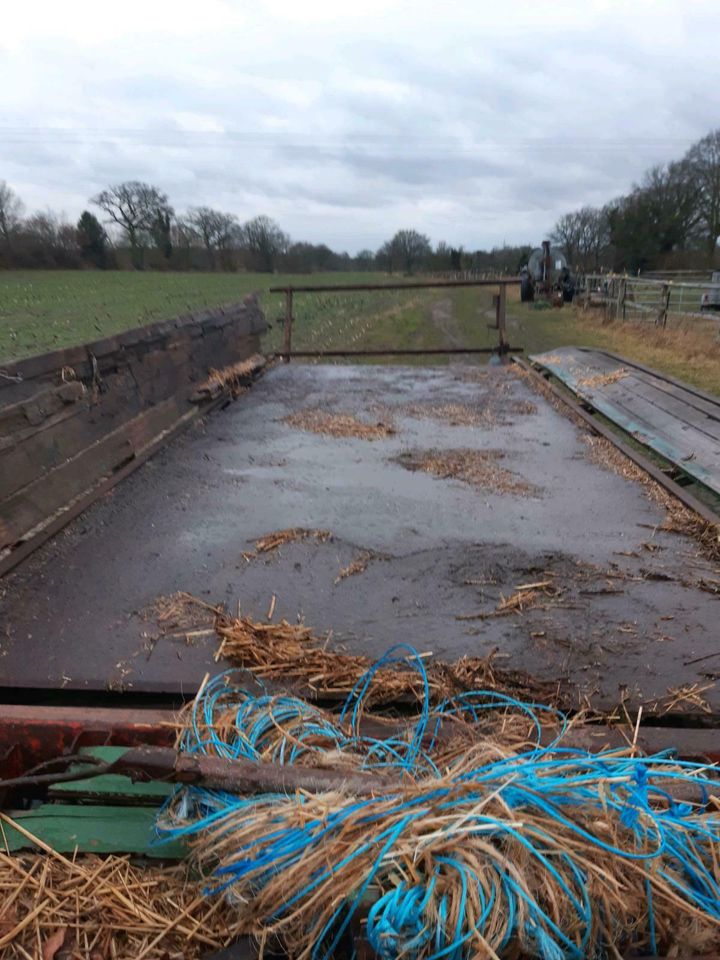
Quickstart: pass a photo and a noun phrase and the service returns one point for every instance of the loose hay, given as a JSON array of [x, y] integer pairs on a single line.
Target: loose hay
[[479, 468], [358, 565], [97, 908], [678, 518], [339, 425], [531, 596], [271, 541], [491, 411], [603, 379], [234, 377], [292, 654]]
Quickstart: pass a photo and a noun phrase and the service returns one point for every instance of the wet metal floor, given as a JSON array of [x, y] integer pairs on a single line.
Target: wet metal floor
[[624, 610]]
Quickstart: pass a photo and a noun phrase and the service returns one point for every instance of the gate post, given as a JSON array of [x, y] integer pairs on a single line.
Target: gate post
[[661, 320], [503, 344], [288, 323]]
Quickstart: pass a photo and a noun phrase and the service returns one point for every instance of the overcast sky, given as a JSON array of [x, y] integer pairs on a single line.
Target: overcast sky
[[475, 122]]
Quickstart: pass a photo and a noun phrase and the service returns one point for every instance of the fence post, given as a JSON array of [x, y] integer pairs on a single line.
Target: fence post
[[503, 344], [622, 291], [664, 306], [288, 323]]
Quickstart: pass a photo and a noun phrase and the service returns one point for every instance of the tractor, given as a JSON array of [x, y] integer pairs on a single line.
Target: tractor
[[547, 277]]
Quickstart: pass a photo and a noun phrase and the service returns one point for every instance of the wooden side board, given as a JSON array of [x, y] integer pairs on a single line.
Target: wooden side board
[[71, 419]]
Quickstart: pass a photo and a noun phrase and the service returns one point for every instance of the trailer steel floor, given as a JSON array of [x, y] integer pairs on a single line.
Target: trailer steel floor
[[675, 420], [631, 604]]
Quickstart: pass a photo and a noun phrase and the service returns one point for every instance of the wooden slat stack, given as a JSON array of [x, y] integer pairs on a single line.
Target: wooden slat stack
[[71, 419]]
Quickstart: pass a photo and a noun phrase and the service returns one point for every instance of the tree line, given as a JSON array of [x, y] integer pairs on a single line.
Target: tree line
[[134, 226], [670, 220]]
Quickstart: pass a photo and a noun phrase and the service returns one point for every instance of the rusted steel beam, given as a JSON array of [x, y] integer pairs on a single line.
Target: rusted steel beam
[[691, 502], [390, 352], [413, 285]]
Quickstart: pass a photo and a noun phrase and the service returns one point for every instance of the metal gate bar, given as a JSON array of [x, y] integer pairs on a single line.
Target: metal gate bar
[[503, 348]]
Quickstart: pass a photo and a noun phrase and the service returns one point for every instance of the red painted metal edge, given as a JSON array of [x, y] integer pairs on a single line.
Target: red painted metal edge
[[30, 735]]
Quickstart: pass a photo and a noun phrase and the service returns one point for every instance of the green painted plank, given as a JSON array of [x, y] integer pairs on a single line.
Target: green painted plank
[[111, 785], [91, 829]]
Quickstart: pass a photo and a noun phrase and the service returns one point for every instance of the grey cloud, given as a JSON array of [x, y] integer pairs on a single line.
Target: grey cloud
[[472, 128]]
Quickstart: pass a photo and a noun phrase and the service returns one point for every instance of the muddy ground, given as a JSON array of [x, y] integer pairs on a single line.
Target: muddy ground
[[621, 608]]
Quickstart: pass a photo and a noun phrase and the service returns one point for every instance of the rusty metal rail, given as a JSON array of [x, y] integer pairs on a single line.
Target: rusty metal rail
[[410, 285], [387, 352], [500, 299]]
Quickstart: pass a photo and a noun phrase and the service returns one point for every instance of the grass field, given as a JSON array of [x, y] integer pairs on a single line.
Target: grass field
[[45, 310]]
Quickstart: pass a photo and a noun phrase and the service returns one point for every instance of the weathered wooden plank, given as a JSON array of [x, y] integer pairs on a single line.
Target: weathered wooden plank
[[246, 315], [37, 452], [11, 558], [28, 508], [669, 397], [37, 501], [91, 829], [44, 404], [686, 435], [675, 423], [135, 388]]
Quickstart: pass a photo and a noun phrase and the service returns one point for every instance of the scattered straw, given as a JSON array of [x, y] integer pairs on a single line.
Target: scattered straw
[[292, 654], [529, 596], [179, 616], [603, 379], [339, 425], [234, 377], [359, 565], [678, 518], [495, 409], [688, 698], [106, 907], [272, 541], [479, 468]]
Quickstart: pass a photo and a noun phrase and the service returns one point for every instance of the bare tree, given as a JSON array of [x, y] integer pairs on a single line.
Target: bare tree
[[265, 241], [137, 208], [216, 229], [582, 236], [11, 210], [703, 160], [410, 248], [364, 260], [385, 257], [567, 235]]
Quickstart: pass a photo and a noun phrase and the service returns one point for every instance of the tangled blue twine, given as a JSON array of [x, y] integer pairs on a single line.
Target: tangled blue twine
[[409, 920]]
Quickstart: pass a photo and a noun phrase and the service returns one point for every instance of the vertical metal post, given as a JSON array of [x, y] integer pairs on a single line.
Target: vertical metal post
[[622, 293], [661, 320], [288, 323], [503, 344]]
